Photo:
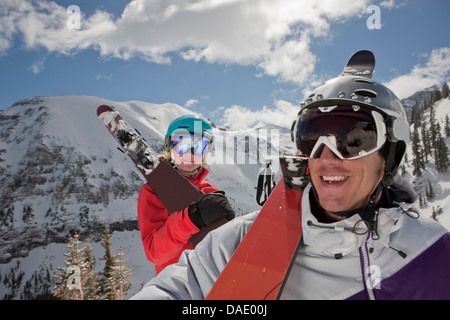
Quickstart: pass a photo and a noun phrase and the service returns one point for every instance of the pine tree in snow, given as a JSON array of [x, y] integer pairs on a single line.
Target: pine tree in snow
[[418, 163], [111, 281], [118, 284], [445, 90], [426, 142], [441, 159], [429, 191], [79, 281], [447, 126], [102, 280], [90, 286], [72, 279], [416, 114], [433, 125]]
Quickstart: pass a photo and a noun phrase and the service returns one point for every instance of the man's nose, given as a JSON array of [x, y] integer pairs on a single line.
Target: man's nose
[[325, 154]]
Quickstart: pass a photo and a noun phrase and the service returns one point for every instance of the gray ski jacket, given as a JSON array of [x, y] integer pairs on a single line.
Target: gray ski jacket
[[409, 258]]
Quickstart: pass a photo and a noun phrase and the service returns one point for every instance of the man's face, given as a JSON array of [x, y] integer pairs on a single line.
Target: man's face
[[344, 185]]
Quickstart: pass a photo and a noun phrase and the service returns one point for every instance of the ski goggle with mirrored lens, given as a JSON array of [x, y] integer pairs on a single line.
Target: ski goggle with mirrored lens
[[199, 145], [350, 132]]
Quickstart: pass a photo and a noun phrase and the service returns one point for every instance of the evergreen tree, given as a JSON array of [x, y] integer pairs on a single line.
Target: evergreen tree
[[91, 288], [426, 103], [73, 278], [433, 131], [447, 126], [79, 281], [442, 161], [104, 291], [112, 282], [118, 284], [430, 191], [28, 214], [445, 90], [426, 142], [416, 114], [418, 164], [436, 95]]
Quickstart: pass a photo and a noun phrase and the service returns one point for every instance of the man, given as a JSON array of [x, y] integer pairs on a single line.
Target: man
[[362, 238]]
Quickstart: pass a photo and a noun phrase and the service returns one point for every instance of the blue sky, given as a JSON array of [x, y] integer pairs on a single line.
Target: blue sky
[[240, 62]]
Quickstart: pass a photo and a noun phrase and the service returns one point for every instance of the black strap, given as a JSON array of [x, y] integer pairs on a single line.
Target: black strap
[[266, 184]]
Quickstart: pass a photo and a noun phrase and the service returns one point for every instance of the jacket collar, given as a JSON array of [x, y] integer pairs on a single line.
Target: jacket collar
[[346, 236], [200, 176]]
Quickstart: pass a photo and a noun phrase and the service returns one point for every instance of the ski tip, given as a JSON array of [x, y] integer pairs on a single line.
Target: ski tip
[[362, 56], [364, 52], [361, 63], [103, 108]]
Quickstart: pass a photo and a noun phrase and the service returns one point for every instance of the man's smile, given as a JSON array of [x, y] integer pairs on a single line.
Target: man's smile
[[332, 179]]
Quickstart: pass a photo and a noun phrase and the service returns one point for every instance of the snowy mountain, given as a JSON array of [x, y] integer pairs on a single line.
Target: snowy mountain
[[420, 96], [61, 173]]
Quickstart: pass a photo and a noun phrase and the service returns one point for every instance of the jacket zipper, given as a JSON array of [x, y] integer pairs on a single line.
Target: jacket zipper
[[365, 265]]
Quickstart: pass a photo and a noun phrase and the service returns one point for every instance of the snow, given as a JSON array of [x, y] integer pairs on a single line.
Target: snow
[[52, 257], [75, 159], [440, 181], [83, 155]]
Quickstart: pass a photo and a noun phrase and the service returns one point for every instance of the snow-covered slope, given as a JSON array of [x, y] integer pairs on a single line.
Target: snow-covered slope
[[439, 181], [61, 173], [60, 166]]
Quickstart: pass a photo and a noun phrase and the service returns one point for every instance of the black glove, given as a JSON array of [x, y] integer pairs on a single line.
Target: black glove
[[210, 208]]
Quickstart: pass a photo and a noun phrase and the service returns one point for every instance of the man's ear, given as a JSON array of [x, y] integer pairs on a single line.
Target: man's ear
[[393, 153]]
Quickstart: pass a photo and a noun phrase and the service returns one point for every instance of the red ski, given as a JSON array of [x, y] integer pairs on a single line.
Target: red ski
[[261, 262]]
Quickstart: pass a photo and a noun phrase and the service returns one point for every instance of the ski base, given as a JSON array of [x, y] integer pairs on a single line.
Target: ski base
[[259, 265]]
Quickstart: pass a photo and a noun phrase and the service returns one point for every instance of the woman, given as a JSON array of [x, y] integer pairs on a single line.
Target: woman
[[188, 140]]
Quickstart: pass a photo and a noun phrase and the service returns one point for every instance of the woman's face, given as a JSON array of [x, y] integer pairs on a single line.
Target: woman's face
[[187, 161]]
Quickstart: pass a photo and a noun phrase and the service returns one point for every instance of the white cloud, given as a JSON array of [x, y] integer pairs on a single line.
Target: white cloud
[[392, 4], [103, 76], [38, 66], [190, 103], [434, 71], [274, 36], [241, 118]]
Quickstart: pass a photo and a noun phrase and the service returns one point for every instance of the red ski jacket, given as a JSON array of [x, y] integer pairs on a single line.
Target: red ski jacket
[[166, 236]]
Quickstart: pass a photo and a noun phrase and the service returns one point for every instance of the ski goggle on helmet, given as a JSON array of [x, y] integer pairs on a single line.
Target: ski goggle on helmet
[[183, 144], [190, 132], [354, 117], [350, 132]]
